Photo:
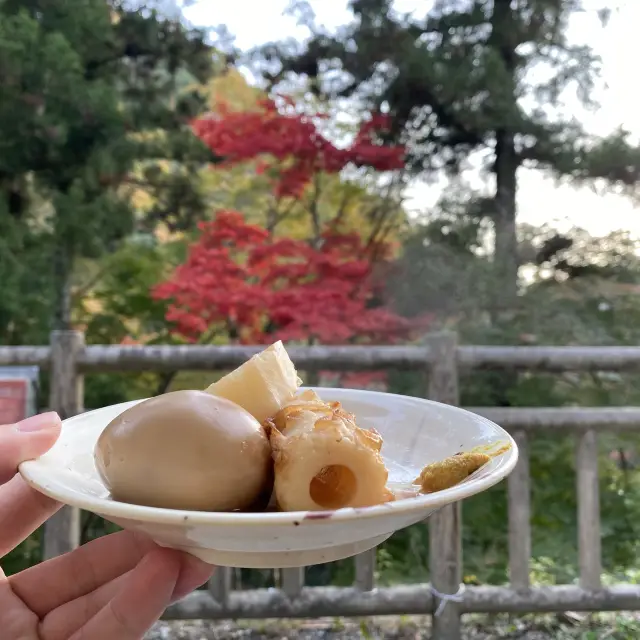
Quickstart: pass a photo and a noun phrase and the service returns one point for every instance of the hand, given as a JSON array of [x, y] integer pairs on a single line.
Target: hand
[[113, 587]]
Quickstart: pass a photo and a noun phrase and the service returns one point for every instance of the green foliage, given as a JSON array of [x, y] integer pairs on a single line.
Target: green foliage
[[25, 273], [485, 79], [113, 304], [26, 554], [582, 290], [113, 298], [457, 74], [91, 91], [443, 269]]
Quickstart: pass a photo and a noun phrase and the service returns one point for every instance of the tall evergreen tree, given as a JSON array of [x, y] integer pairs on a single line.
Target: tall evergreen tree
[[483, 76], [95, 104]]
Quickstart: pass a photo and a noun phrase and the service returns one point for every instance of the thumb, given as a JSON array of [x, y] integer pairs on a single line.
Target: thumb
[[26, 440]]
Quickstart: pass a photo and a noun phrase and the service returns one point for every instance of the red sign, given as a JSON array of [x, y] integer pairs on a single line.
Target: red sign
[[13, 400]]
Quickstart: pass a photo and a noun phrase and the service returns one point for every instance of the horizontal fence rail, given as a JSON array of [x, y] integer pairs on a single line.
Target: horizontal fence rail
[[442, 359], [320, 602], [100, 358], [570, 419], [25, 356]]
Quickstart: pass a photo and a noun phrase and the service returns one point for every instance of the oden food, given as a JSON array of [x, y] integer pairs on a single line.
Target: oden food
[[251, 436]]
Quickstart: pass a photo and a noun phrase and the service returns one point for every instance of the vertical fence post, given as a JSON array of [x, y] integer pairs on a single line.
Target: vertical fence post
[[445, 530], [366, 570], [220, 585], [588, 489], [62, 531], [519, 508], [292, 581]]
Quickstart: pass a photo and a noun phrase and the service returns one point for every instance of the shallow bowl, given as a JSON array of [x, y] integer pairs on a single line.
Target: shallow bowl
[[416, 432]]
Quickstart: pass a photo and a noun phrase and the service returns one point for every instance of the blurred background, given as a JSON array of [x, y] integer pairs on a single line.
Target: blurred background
[[337, 172]]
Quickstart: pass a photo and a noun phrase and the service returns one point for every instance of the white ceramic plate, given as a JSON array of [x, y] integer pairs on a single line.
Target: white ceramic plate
[[416, 432]]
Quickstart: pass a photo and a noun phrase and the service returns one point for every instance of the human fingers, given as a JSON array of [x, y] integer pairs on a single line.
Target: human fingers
[[16, 621], [22, 511], [60, 623], [193, 574], [139, 603], [49, 585], [26, 440]]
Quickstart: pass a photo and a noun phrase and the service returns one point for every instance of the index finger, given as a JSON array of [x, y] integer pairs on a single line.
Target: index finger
[[22, 511], [139, 604], [26, 440], [46, 586]]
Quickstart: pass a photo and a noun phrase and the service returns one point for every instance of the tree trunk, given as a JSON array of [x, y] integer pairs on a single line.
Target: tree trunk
[[62, 269], [506, 164], [505, 284], [506, 240]]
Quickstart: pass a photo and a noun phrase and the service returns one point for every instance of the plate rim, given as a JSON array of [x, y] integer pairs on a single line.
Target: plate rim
[[35, 477]]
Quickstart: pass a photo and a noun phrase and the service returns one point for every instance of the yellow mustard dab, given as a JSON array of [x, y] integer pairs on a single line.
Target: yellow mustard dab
[[446, 473]]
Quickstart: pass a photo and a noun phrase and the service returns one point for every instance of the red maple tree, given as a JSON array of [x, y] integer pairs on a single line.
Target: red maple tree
[[290, 147], [240, 281]]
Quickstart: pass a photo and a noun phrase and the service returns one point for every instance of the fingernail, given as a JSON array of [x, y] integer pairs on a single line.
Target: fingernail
[[39, 423]]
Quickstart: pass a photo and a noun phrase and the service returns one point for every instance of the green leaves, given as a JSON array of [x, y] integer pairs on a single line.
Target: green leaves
[[25, 283], [92, 90], [483, 80]]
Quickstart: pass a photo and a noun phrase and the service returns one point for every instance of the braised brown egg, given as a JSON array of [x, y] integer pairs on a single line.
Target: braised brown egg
[[186, 450]]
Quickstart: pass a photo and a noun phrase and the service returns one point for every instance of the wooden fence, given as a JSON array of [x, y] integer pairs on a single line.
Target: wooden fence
[[68, 359]]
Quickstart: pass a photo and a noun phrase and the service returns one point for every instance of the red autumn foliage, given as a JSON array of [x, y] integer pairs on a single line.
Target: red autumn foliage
[[293, 144], [240, 280]]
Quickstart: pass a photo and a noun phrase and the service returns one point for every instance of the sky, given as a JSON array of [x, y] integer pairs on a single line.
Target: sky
[[540, 200]]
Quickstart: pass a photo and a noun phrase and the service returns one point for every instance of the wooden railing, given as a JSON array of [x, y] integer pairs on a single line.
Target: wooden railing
[[68, 359]]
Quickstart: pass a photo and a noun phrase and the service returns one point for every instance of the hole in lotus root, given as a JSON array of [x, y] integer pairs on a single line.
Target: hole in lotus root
[[333, 487]]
